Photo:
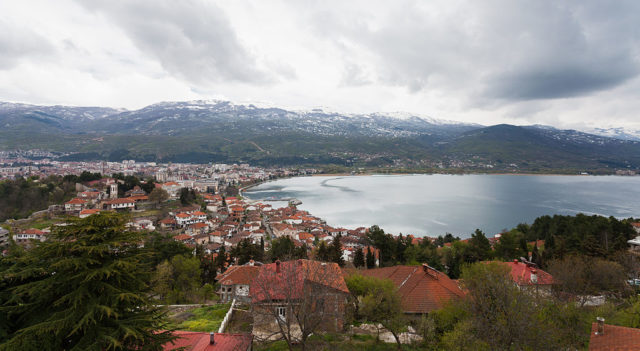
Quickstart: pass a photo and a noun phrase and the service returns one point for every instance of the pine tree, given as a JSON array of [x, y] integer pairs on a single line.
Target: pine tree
[[86, 288], [479, 246], [220, 261], [323, 252], [335, 251], [358, 258], [535, 255], [371, 260]]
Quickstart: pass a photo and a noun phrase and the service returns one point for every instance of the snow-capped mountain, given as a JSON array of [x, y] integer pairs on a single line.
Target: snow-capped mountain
[[618, 133]]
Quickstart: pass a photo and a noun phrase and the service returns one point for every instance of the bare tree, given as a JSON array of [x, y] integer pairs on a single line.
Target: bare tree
[[294, 299], [580, 277]]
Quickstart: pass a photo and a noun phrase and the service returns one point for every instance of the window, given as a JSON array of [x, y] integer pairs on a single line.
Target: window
[[281, 312]]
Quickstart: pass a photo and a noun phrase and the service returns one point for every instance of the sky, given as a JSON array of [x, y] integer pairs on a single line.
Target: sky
[[569, 64]]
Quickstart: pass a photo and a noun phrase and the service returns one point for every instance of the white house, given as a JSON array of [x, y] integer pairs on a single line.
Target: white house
[[121, 204], [30, 234], [74, 205]]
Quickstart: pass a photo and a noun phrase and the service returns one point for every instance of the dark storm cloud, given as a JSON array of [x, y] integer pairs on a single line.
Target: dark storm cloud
[[17, 44], [559, 83], [191, 39], [500, 49]]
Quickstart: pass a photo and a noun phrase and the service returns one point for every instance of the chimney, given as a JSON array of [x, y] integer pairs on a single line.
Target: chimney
[[600, 326], [515, 260], [534, 276], [277, 266], [425, 267], [212, 339], [251, 262]]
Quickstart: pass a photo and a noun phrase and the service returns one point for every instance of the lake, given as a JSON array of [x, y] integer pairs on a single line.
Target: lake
[[437, 204]]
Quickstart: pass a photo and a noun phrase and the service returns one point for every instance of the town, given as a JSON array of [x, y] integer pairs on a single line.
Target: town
[[282, 275]]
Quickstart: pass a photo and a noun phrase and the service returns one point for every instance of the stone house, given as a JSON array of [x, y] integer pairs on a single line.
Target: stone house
[[284, 294], [235, 281]]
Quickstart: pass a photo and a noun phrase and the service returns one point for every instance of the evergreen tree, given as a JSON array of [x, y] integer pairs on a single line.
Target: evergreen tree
[[371, 259], [535, 255], [220, 262], [479, 246], [322, 253], [246, 251], [86, 288], [335, 251], [358, 258], [384, 243], [401, 247], [284, 249]]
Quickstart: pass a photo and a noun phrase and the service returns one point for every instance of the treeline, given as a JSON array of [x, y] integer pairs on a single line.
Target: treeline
[[21, 197], [595, 236], [559, 237]]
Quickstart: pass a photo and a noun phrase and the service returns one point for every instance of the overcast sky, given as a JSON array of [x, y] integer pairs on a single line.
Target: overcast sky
[[564, 63]]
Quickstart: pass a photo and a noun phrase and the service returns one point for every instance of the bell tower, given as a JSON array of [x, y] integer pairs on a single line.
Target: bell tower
[[113, 190]]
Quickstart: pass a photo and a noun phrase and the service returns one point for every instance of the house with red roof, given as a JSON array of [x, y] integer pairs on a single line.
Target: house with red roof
[[284, 293], [527, 276], [422, 289], [88, 212], [197, 228], [606, 337], [283, 229], [74, 205], [25, 236], [120, 204], [199, 341], [91, 195], [235, 281], [167, 223]]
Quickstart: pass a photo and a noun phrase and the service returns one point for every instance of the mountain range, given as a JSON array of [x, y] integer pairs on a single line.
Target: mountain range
[[221, 131]]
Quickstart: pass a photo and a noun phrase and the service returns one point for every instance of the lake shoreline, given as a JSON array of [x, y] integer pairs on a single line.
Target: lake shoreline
[[432, 206], [462, 174]]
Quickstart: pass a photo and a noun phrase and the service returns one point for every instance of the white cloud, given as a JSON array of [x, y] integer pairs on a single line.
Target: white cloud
[[497, 61]]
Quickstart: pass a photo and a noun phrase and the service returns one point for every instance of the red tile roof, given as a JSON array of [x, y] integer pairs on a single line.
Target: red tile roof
[[521, 273], [32, 231], [198, 341], [305, 236], [75, 201], [421, 291], [199, 213], [182, 237], [615, 338], [183, 215], [90, 211], [138, 198], [243, 275], [289, 282]]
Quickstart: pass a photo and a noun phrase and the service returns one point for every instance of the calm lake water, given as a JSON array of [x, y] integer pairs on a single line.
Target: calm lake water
[[458, 204]]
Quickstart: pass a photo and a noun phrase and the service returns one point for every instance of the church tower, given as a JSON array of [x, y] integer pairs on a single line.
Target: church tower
[[113, 190]]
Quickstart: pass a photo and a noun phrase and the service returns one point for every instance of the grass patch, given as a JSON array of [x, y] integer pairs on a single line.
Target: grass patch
[[331, 342], [202, 319], [146, 213]]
